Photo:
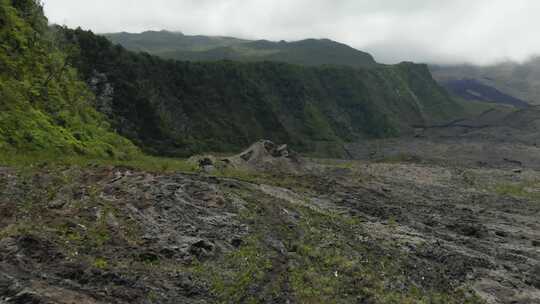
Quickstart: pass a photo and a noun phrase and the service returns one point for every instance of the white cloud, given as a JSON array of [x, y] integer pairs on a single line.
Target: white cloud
[[479, 31]]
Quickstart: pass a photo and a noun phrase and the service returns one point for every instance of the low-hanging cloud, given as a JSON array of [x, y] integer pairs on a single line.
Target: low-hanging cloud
[[435, 31]]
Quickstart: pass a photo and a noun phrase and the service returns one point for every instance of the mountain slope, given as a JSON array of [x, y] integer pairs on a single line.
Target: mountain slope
[[180, 108], [310, 52], [43, 104], [157, 42], [519, 80], [474, 90]]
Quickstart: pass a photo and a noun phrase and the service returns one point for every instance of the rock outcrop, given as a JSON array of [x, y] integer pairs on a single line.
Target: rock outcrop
[[263, 156]]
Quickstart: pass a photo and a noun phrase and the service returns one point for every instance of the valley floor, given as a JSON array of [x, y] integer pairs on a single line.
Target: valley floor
[[349, 232]]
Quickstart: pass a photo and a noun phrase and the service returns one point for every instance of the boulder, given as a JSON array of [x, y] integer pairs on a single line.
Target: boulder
[[265, 155]]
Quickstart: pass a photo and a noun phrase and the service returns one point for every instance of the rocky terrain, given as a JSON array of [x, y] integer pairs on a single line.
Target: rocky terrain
[[494, 139], [348, 232]]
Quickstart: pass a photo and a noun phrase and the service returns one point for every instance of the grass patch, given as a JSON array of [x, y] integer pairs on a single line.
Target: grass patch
[[475, 108], [528, 189], [238, 272], [337, 163], [275, 179], [140, 162], [399, 158], [100, 263]]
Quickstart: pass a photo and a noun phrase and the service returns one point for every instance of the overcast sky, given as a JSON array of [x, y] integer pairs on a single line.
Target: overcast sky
[[441, 31]]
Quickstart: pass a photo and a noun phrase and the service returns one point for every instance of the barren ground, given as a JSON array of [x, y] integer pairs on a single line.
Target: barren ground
[[393, 231]]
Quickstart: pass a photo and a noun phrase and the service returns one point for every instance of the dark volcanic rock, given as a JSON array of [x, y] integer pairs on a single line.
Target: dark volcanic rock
[[124, 236]]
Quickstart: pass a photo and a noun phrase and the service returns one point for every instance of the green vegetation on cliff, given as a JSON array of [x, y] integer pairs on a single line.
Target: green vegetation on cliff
[[44, 106], [180, 108]]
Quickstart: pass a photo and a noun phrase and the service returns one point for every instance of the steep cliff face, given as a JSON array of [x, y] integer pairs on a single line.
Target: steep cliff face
[[44, 106], [179, 108]]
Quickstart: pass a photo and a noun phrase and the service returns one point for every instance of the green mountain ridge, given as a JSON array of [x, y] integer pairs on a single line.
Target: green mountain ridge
[[508, 83], [181, 108], [309, 52], [166, 41]]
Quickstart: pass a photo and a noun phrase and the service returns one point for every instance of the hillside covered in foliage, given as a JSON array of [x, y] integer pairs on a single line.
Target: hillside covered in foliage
[[44, 106], [180, 108], [308, 52], [65, 91]]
